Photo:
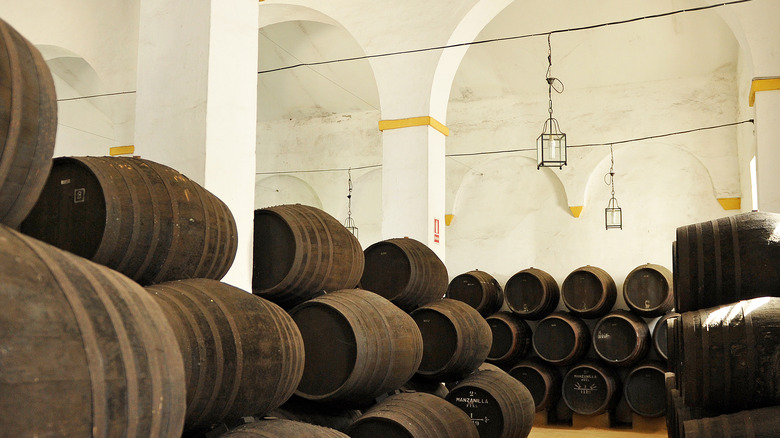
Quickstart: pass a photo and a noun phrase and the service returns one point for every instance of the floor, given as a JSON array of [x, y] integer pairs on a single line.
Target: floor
[[598, 427]]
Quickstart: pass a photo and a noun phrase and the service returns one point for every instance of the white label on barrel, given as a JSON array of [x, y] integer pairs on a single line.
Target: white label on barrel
[[64, 181], [79, 195], [585, 389]]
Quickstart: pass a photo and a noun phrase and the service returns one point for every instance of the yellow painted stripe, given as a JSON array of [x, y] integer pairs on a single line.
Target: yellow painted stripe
[[414, 121], [121, 150], [576, 211], [763, 84], [730, 203], [448, 219]]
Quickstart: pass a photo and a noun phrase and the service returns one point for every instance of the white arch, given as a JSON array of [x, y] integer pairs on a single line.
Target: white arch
[[284, 189]]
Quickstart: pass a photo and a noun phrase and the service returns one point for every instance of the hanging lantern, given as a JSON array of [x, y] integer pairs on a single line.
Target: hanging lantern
[[551, 144], [349, 224], [613, 215]]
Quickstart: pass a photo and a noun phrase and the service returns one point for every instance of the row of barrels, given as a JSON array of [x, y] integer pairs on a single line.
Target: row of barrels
[[723, 348], [588, 292]]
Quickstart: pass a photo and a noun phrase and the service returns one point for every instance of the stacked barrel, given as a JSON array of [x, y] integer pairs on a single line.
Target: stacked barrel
[[723, 348]]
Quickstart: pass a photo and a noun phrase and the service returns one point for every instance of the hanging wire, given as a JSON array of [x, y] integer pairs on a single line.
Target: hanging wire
[[609, 178], [349, 224]]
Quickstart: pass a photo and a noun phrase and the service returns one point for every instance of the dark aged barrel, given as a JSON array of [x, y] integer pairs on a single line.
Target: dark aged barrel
[[404, 271], [757, 423], [726, 260], [561, 339], [456, 339], [279, 428], [358, 346], [305, 411], [28, 125], [659, 336], [730, 356], [590, 388], [589, 292], [243, 355], [301, 251], [648, 290], [498, 404], [479, 290], [532, 294], [541, 380], [644, 389], [676, 411], [84, 351], [511, 338], [416, 415], [136, 216], [621, 338]]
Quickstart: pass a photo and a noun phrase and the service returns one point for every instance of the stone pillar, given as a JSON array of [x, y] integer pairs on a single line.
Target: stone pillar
[[196, 102], [767, 107]]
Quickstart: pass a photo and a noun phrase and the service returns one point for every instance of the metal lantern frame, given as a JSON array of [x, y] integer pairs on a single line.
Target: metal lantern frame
[[613, 214], [551, 144], [349, 224]]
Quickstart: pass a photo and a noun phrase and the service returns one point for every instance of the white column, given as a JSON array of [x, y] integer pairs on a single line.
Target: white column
[[767, 106], [196, 102]]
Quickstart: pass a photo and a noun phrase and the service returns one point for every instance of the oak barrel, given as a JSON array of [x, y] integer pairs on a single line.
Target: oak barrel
[[456, 339], [301, 252], [280, 428], [757, 423], [305, 411], [511, 338], [561, 339], [498, 404], [541, 380], [136, 216], [358, 346], [644, 389], [28, 125], [648, 290], [416, 415], [532, 294], [243, 355], [84, 350], [727, 260], [589, 292], [404, 271], [731, 356], [590, 388], [621, 338], [477, 289], [659, 336]]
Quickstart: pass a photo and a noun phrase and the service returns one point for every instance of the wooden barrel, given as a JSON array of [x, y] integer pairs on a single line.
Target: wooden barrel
[[648, 290], [677, 413], [305, 411], [280, 428], [404, 271], [660, 342], [644, 389], [727, 260], [136, 216], [414, 414], [621, 338], [421, 384], [541, 380], [84, 351], [358, 346], [590, 388], [243, 354], [28, 125], [730, 356], [511, 338], [589, 292], [561, 339], [756, 423], [498, 404], [456, 339], [301, 252], [532, 294], [479, 290]]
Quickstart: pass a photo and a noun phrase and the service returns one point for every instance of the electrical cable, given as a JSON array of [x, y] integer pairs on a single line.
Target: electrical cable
[[67, 99], [500, 39]]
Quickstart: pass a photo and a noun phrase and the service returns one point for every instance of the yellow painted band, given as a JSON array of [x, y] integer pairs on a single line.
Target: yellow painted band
[[576, 211], [730, 203], [764, 84], [448, 219], [414, 121], [121, 150]]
